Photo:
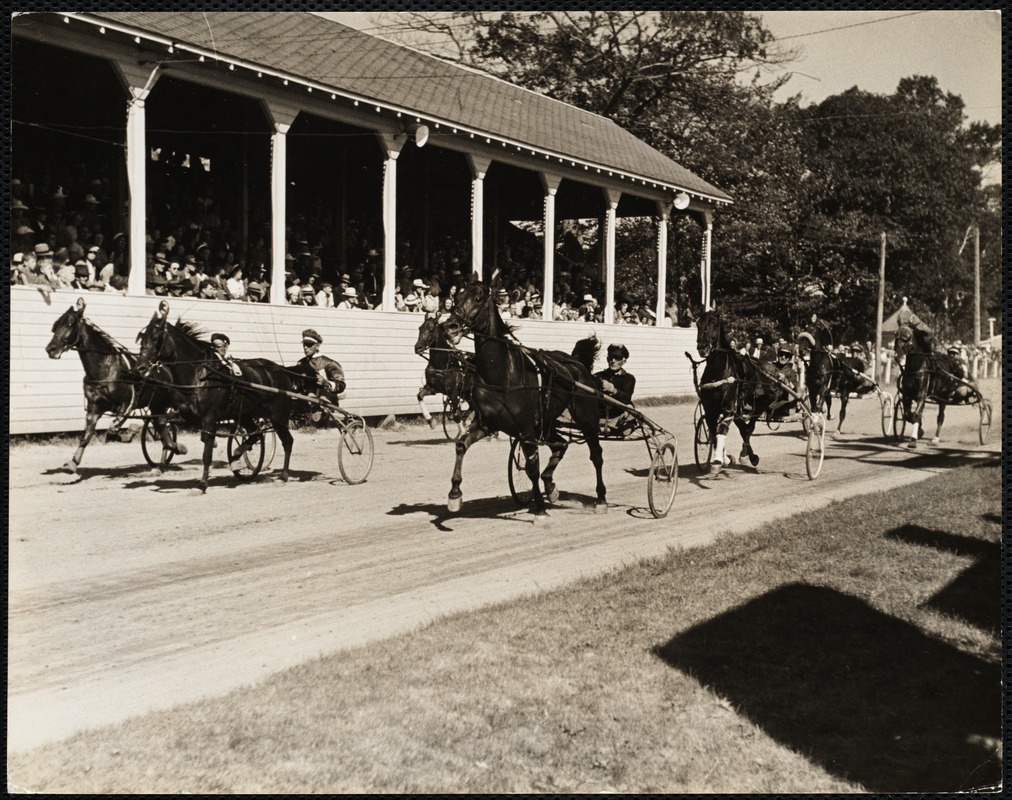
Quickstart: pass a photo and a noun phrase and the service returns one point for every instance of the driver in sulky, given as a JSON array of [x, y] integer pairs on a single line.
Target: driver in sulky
[[327, 372], [616, 383]]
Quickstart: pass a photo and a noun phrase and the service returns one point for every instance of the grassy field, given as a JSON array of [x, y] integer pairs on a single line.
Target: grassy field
[[855, 649]]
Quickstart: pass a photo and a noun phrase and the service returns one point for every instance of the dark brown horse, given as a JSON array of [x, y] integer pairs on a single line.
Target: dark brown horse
[[926, 375], [822, 376], [450, 372], [733, 387], [205, 392], [111, 383], [523, 392]]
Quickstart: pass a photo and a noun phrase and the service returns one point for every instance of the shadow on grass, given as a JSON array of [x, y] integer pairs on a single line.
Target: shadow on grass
[[975, 594], [865, 696]]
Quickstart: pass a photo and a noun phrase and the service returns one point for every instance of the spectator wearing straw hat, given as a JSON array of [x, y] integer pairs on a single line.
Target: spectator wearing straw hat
[[349, 298]]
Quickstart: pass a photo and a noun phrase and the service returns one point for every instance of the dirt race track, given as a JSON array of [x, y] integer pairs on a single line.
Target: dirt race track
[[130, 592]]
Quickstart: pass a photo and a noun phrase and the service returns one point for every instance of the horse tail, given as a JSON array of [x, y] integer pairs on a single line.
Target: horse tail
[[585, 351]]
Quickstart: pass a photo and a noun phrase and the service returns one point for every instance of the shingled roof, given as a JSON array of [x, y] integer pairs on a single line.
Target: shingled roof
[[341, 58]]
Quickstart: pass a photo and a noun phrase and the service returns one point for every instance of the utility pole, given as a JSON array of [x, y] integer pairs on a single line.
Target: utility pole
[[976, 285], [881, 306]]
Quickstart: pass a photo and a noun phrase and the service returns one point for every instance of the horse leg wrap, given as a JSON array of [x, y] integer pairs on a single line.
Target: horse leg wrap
[[718, 451]]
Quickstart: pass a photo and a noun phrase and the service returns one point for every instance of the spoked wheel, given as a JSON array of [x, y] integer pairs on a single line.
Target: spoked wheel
[[662, 483], [520, 484], [151, 445], [815, 451], [985, 421], [702, 445], [249, 464], [697, 414], [354, 458], [886, 400], [899, 420], [456, 418]]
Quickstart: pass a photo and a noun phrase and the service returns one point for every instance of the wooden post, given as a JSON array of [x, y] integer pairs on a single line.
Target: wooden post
[[976, 285], [881, 304]]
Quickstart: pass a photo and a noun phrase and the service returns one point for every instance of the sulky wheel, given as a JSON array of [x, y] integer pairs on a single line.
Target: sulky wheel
[[520, 484], [697, 413], [886, 400], [354, 456], [662, 483], [702, 445], [151, 445], [246, 465], [815, 450], [985, 421]]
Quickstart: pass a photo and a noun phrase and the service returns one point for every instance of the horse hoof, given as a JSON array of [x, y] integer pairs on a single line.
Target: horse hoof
[[235, 466], [154, 472], [552, 495], [912, 444], [600, 508], [432, 423], [454, 505], [70, 467], [198, 492], [180, 449], [753, 459], [716, 467], [540, 517], [935, 440]]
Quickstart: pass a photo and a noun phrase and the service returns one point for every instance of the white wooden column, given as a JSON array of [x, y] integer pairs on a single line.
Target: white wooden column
[[137, 180], [391, 144], [704, 264], [279, 210], [479, 169], [662, 262], [612, 197], [550, 183], [389, 230], [281, 117], [138, 80]]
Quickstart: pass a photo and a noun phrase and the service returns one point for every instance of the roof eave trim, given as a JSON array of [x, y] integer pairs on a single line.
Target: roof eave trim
[[335, 92]]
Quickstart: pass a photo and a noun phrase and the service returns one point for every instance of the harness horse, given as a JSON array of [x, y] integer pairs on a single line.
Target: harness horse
[[204, 391], [450, 372], [827, 372], [523, 393], [738, 388], [111, 383], [926, 377]]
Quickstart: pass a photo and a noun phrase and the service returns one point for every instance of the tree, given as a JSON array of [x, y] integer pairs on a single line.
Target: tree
[[904, 164]]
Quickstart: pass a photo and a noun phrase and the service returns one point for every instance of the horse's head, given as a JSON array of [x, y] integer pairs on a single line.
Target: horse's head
[[474, 310], [152, 338], [67, 330], [904, 342], [710, 334], [428, 332]]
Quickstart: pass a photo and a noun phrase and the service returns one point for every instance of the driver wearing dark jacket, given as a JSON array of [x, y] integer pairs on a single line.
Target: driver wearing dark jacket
[[328, 373]]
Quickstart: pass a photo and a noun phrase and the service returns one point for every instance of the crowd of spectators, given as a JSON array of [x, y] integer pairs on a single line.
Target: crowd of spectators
[[60, 238], [67, 237]]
